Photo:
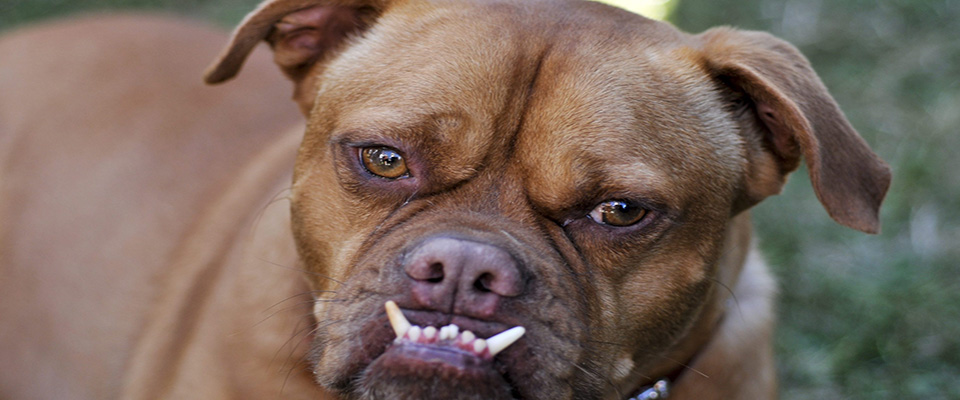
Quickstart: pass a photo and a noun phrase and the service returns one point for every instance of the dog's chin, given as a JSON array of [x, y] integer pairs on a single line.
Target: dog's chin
[[418, 371], [376, 365]]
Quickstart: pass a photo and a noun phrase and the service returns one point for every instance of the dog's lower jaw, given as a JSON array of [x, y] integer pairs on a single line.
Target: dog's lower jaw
[[375, 378], [387, 375], [359, 366], [384, 371], [383, 381]]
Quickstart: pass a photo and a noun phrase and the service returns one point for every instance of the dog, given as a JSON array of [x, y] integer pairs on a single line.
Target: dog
[[503, 199]]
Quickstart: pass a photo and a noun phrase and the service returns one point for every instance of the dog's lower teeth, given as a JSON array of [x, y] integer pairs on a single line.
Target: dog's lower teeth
[[452, 331], [429, 333], [414, 333], [479, 345], [465, 340]]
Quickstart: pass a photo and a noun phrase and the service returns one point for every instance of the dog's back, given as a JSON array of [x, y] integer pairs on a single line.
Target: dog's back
[[110, 149]]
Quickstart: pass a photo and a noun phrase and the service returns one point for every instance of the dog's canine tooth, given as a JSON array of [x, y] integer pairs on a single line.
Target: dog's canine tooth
[[479, 345], [504, 339], [398, 322]]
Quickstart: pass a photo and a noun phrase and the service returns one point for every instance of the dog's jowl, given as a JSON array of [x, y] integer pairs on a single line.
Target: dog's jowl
[[504, 199]]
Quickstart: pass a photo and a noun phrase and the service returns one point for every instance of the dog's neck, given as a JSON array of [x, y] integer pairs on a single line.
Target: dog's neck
[[660, 389], [697, 345]]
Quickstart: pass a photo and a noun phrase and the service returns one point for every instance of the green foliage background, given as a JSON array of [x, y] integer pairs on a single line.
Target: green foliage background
[[861, 317], [869, 317]]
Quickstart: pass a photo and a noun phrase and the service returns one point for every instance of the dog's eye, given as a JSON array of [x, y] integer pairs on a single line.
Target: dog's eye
[[384, 162], [617, 213]]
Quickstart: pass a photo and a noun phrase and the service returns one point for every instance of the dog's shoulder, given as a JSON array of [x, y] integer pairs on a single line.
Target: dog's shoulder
[[111, 149]]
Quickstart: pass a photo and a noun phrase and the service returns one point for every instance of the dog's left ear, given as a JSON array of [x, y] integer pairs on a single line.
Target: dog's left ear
[[794, 116], [301, 33]]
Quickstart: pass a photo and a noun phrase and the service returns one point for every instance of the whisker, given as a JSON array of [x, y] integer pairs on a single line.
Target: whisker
[[273, 314], [393, 212], [595, 375], [685, 367], [302, 333], [297, 331], [606, 343], [671, 359], [298, 270], [273, 199], [675, 361], [293, 365], [331, 300], [311, 292], [733, 295]]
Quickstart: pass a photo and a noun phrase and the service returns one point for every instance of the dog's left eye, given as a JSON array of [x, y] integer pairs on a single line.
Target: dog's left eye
[[617, 213], [385, 162]]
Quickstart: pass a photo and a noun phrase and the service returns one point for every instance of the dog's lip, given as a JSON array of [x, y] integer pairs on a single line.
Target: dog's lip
[[449, 360], [453, 359], [482, 328], [425, 363], [462, 368], [449, 337]]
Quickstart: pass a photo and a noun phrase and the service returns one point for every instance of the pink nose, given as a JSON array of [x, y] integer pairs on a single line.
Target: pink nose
[[462, 276]]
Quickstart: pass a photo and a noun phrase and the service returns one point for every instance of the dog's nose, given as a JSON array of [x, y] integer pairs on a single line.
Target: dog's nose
[[462, 276]]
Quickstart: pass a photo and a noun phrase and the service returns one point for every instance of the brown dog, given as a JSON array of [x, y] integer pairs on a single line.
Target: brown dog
[[561, 166]]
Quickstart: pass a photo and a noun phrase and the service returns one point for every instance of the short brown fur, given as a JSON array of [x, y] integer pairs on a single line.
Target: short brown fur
[[126, 193]]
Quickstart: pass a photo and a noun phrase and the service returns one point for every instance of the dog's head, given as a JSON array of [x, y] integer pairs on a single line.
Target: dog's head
[[562, 166]]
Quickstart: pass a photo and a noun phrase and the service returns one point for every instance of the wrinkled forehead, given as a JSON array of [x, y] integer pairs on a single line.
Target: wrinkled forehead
[[569, 90], [427, 55], [639, 113]]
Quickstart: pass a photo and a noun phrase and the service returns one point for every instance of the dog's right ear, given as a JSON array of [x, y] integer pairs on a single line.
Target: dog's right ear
[[797, 118], [301, 33]]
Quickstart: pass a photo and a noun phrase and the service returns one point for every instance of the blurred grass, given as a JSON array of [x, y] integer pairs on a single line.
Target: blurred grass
[[861, 317], [224, 12], [869, 317]]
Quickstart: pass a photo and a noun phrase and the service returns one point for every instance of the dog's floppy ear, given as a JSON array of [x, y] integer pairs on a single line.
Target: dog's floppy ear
[[300, 32], [795, 117]]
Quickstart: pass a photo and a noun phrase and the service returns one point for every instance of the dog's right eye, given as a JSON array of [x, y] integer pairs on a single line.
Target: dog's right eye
[[385, 162], [617, 213]]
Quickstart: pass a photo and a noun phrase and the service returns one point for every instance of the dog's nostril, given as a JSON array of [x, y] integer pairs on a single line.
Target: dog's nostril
[[482, 283], [445, 271], [435, 273]]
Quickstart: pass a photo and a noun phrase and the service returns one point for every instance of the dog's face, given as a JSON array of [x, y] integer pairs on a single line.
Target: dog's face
[[561, 166]]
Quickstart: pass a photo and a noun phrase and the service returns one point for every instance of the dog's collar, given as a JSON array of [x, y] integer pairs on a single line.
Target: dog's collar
[[661, 388], [657, 391]]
